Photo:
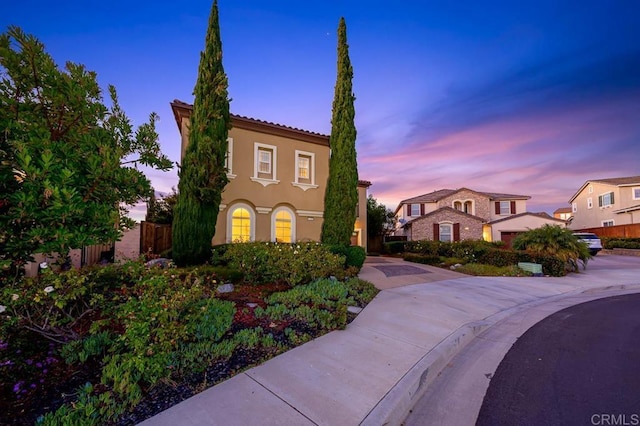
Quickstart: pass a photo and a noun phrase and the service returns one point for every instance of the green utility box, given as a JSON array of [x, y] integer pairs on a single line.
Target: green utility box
[[534, 268]]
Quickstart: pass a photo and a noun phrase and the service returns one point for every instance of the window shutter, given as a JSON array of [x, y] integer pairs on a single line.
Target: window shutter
[[456, 232], [599, 200], [421, 209], [513, 207], [436, 232], [497, 207], [612, 202], [408, 210]]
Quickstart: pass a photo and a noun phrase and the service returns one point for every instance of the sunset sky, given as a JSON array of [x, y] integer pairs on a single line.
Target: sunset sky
[[531, 97]]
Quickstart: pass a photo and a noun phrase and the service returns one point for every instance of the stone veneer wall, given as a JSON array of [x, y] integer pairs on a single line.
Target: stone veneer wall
[[482, 205], [422, 229]]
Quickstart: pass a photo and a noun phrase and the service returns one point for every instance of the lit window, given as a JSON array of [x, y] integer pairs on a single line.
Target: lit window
[[264, 161], [303, 167], [240, 225], [445, 232], [283, 227]]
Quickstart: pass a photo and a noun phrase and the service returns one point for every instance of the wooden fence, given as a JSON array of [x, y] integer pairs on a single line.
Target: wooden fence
[[154, 238], [621, 231]]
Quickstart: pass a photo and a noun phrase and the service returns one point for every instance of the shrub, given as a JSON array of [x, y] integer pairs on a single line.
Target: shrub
[[493, 271], [426, 259], [294, 264], [625, 243], [554, 241], [394, 247], [356, 256]]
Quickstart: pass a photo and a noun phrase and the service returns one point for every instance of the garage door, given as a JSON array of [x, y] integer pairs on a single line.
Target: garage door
[[507, 237]]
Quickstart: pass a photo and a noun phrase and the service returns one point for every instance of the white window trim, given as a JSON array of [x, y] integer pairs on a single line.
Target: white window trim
[[606, 206], [508, 213], [589, 203], [633, 192], [590, 189], [574, 207], [411, 209], [229, 159], [613, 223], [312, 170], [440, 227], [252, 221], [274, 164], [293, 222]]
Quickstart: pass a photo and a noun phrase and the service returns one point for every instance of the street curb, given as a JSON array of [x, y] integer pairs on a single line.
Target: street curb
[[393, 408]]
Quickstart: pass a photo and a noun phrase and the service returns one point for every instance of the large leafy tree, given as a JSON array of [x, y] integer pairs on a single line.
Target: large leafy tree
[[68, 165], [341, 196], [380, 220], [161, 210], [203, 175]]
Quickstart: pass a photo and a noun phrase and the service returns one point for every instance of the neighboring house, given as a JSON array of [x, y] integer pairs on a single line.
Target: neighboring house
[[277, 179], [606, 202], [465, 214], [563, 213]]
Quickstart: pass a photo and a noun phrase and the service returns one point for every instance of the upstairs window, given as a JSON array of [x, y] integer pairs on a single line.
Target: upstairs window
[[305, 170], [414, 210], [606, 200], [504, 208], [574, 207], [636, 193], [264, 161], [228, 159], [589, 203], [265, 164]]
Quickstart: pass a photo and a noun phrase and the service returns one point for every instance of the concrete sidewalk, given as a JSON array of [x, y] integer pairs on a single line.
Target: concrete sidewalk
[[373, 372]]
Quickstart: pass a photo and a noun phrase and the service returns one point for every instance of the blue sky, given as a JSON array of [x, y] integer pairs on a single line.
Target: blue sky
[[531, 97]]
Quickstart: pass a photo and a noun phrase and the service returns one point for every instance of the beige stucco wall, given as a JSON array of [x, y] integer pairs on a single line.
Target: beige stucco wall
[[521, 207], [422, 229], [585, 217], [520, 224]]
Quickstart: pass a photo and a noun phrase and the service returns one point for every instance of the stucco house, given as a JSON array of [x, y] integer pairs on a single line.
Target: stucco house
[[465, 214], [606, 202], [563, 213], [277, 180]]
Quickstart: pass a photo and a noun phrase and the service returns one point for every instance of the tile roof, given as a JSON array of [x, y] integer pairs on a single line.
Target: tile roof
[[562, 210], [435, 196], [186, 106], [630, 180], [448, 209]]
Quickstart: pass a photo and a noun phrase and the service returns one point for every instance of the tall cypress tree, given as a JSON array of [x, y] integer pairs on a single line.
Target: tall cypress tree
[[203, 175], [341, 196]]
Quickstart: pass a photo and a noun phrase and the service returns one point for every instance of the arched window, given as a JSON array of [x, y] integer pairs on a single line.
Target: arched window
[[457, 205], [468, 207], [240, 224], [283, 225]]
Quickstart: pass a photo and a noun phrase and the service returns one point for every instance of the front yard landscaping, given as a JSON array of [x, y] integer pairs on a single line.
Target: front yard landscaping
[[119, 343]]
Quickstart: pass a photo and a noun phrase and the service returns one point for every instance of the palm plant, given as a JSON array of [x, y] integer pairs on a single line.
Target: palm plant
[[553, 240]]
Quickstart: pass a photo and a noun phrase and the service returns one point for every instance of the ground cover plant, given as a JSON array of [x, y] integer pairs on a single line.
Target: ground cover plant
[[117, 344]]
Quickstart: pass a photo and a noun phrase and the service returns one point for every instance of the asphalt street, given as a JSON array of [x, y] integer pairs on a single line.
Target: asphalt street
[[578, 366]]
